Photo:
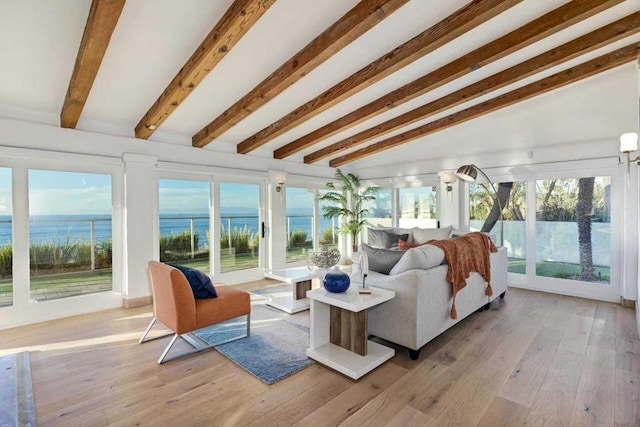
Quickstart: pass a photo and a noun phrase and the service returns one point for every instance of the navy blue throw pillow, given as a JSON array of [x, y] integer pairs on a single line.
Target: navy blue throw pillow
[[200, 283]]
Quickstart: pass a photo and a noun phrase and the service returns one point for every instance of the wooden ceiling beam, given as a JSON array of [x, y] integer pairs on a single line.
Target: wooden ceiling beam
[[464, 19], [102, 20], [361, 18], [234, 24], [550, 23], [588, 69], [608, 34]]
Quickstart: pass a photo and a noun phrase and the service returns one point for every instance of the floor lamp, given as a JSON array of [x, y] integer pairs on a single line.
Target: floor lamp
[[469, 173]]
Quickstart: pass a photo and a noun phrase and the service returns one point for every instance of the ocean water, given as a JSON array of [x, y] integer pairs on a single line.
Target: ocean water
[[59, 228]]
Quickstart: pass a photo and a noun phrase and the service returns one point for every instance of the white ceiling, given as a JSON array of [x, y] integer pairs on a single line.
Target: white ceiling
[[39, 40]]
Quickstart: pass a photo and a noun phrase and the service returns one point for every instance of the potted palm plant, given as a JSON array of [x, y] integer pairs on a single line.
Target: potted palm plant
[[348, 204]]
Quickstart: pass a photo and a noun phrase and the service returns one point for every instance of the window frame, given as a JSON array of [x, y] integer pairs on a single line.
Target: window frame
[[21, 160]]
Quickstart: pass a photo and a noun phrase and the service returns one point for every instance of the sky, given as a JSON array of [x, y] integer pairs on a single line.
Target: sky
[[68, 193], [181, 196]]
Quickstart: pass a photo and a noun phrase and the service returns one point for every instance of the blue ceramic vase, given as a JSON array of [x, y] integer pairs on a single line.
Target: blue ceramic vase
[[336, 280]]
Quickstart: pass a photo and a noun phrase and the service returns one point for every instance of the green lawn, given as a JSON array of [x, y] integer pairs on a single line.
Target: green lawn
[[63, 279], [561, 270]]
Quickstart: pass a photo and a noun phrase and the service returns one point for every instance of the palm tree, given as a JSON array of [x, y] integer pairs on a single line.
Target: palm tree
[[348, 204], [583, 214]]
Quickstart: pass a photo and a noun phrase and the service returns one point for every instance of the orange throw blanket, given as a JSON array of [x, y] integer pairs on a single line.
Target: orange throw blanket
[[464, 254]]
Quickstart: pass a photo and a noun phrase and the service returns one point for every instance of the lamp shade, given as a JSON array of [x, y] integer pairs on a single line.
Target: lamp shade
[[628, 142], [467, 173]]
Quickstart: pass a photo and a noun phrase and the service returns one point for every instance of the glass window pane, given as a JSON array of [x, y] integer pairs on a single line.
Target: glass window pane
[[380, 209], [573, 228], [70, 242], [6, 239], [328, 226], [299, 223], [482, 199], [417, 207], [184, 222], [239, 226]]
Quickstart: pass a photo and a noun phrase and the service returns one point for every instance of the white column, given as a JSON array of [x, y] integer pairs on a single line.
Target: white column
[[140, 192], [450, 203], [20, 237]]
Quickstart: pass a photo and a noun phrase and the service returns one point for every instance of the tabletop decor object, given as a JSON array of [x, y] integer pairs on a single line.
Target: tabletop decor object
[[325, 258], [336, 280]]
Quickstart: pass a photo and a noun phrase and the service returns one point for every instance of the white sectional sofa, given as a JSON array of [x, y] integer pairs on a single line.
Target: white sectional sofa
[[421, 308]]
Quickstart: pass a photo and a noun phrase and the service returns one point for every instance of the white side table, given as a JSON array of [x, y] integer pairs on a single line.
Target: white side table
[[302, 280], [338, 330]]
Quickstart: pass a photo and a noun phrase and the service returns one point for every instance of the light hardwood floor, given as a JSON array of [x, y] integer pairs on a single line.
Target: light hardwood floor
[[533, 359]]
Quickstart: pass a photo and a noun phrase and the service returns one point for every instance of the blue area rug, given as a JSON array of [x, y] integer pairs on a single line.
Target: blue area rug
[[278, 342]]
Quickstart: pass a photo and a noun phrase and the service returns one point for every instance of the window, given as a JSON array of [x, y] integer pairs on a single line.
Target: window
[[6, 239], [239, 226], [299, 222], [417, 207], [482, 199], [573, 228], [380, 211], [184, 222], [328, 226], [70, 240]]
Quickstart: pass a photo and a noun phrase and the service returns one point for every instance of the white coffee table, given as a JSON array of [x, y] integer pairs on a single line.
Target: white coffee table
[[338, 330], [302, 280]]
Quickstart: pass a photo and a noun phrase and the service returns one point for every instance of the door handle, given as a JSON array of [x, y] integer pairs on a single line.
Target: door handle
[[264, 229]]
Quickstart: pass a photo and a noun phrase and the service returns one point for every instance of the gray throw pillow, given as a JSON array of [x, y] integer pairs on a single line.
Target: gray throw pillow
[[384, 238], [420, 258], [381, 260]]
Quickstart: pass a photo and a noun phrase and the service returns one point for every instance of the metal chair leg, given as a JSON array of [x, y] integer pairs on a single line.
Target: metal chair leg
[[166, 350], [147, 330], [142, 338], [196, 343]]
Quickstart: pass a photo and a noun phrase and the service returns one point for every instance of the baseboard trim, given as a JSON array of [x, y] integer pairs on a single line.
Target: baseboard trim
[[627, 303], [137, 302]]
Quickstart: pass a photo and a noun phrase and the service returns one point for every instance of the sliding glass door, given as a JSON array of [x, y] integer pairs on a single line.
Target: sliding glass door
[[299, 222], [573, 229], [561, 228], [241, 226], [213, 225], [184, 222]]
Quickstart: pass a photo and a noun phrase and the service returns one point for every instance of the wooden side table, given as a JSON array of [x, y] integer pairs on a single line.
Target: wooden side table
[[338, 330]]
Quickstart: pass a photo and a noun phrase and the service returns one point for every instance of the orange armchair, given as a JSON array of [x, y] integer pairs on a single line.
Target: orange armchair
[[175, 307]]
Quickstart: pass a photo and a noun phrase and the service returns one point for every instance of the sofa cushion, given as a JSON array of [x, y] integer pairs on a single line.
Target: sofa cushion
[[381, 260], [385, 239], [419, 258], [396, 230], [422, 235], [200, 283]]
